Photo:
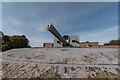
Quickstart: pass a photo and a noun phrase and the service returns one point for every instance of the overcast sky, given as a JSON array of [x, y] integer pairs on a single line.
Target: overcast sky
[[91, 21]]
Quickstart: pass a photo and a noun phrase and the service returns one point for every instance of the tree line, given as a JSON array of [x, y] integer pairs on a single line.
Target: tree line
[[15, 41], [113, 42]]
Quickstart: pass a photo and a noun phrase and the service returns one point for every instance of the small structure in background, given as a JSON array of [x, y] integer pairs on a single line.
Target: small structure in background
[[48, 44], [89, 44], [1, 34]]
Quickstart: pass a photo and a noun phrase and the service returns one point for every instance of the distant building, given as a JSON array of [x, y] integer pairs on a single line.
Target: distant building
[[89, 44], [1, 34], [47, 44], [83, 44]]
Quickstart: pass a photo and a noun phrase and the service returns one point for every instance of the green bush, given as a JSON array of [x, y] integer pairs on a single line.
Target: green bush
[[10, 42], [113, 42]]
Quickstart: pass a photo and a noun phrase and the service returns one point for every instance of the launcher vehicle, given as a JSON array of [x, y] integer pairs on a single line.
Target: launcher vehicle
[[62, 41]]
